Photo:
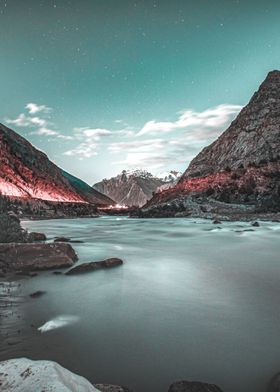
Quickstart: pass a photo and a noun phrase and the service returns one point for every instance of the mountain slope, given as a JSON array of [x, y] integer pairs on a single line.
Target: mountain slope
[[239, 173], [26, 172], [130, 188]]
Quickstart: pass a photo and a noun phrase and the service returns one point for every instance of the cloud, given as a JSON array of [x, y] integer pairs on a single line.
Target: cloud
[[26, 121], [45, 131], [184, 138], [90, 138], [83, 150], [43, 127], [210, 118], [135, 146], [92, 133], [33, 108]]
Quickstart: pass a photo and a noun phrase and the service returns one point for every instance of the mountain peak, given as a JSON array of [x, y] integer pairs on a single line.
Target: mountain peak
[[27, 173], [253, 137], [135, 187], [238, 173]]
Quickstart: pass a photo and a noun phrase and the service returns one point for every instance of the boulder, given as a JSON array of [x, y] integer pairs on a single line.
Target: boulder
[[11, 230], [216, 222], [33, 237], [37, 294], [255, 224], [193, 386], [95, 265], [35, 257], [24, 375], [274, 384], [111, 388]]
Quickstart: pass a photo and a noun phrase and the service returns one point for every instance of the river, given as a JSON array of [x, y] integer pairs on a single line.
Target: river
[[193, 300]]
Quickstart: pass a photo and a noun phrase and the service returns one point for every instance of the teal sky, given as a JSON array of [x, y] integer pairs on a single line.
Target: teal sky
[[125, 84]]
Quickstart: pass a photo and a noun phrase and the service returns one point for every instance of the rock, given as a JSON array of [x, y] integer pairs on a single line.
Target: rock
[[26, 273], [193, 386], [62, 239], [274, 384], [95, 265], [57, 272], [33, 237], [217, 222], [255, 224], [11, 230], [37, 294], [66, 239], [111, 388], [25, 375], [112, 262], [36, 257]]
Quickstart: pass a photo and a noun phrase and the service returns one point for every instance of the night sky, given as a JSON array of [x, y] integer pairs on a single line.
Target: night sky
[[102, 86]]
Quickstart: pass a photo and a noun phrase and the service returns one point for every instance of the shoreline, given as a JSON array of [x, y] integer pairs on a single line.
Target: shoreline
[[19, 278]]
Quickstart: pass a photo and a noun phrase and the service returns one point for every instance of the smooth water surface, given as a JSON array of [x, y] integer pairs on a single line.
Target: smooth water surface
[[193, 301]]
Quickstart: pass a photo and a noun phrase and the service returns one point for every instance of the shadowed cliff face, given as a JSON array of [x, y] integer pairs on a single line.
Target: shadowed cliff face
[[253, 137], [28, 173], [241, 167]]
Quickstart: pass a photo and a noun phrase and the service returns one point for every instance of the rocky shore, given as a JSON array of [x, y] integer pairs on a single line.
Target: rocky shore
[[29, 253], [25, 375], [205, 208]]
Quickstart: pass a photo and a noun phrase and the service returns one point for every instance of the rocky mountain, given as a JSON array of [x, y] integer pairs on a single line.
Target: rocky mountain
[[239, 174], [27, 173], [130, 188], [170, 179]]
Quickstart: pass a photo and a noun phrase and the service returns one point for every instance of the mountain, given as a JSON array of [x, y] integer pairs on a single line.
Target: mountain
[[238, 174], [130, 188], [170, 179], [172, 176], [27, 173]]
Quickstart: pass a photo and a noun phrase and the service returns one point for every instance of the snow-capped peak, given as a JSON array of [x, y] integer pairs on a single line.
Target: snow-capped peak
[[171, 176]]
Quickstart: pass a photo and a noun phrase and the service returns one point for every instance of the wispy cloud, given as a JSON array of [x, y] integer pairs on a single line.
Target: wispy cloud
[[135, 146], [183, 138], [27, 121], [41, 125], [92, 133], [210, 118], [83, 150], [33, 108], [90, 138]]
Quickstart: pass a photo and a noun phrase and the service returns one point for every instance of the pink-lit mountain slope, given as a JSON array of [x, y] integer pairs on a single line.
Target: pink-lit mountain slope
[[27, 173]]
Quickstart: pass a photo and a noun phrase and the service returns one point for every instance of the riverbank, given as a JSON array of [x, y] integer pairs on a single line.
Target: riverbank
[[192, 301]]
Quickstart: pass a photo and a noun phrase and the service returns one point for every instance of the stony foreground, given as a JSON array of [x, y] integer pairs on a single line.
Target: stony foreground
[[25, 375]]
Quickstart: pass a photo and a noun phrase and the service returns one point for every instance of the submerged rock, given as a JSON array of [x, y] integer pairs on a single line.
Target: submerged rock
[[95, 265], [111, 388], [66, 239], [255, 224], [24, 375], [32, 257], [193, 386], [62, 239], [37, 294]]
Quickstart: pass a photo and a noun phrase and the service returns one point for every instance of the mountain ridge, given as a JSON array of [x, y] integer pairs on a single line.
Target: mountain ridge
[[239, 173], [133, 187], [27, 173]]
